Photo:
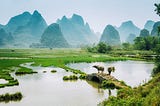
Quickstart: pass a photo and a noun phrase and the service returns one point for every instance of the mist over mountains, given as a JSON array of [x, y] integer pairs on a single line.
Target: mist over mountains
[[76, 31], [110, 36], [31, 30]]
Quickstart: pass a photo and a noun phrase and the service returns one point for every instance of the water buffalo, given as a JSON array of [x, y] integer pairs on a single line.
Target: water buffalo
[[99, 68]]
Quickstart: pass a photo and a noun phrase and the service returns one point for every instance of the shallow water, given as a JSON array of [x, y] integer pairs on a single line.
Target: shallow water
[[48, 89], [133, 73], [2, 81]]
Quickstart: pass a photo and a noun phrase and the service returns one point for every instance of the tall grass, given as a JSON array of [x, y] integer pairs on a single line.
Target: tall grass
[[11, 97]]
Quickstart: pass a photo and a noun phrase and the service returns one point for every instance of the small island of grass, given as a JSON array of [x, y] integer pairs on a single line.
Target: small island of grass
[[71, 77], [53, 71], [10, 80], [24, 70], [11, 97]]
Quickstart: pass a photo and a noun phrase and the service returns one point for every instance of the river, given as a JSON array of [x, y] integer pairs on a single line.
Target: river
[[49, 89]]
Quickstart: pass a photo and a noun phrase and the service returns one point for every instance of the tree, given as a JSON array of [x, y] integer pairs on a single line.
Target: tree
[[157, 60], [157, 49], [157, 8], [158, 30], [146, 43], [126, 46], [139, 43], [102, 47]]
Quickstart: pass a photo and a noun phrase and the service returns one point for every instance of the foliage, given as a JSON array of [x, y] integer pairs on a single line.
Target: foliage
[[6, 76], [146, 43], [71, 77], [24, 70], [157, 8], [108, 84], [127, 46], [100, 48], [53, 71], [11, 97], [156, 70], [143, 95], [82, 76]]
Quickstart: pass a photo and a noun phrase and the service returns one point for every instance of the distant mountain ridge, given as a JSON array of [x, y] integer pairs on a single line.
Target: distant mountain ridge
[[16, 21], [110, 36], [130, 38], [126, 29], [26, 29], [5, 38], [149, 25], [76, 31], [154, 31], [53, 37]]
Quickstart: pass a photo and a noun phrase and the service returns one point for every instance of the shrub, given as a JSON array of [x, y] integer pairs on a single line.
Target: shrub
[[53, 71], [108, 84], [82, 76], [65, 78], [156, 70], [24, 70], [71, 77], [11, 97], [100, 48]]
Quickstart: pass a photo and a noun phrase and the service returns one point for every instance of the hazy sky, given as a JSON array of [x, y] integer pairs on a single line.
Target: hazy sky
[[98, 13]]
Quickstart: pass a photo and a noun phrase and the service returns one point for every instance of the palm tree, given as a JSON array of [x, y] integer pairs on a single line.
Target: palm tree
[[158, 13], [158, 30], [157, 8]]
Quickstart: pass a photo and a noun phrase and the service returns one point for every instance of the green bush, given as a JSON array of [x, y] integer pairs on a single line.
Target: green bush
[[11, 97], [53, 71], [108, 84], [156, 70], [24, 70], [100, 48], [82, 76], [65, 78], [71, 77]]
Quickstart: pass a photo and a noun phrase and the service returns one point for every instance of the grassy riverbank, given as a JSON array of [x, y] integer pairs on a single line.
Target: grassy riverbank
[[55, 57], [144, 95], [10, 60]]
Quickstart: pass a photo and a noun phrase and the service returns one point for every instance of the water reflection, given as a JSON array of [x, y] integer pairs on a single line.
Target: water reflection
[[132, 72], [48, 89]]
